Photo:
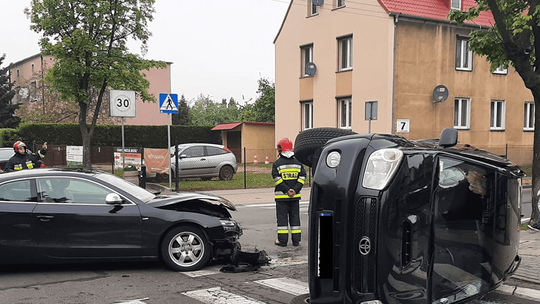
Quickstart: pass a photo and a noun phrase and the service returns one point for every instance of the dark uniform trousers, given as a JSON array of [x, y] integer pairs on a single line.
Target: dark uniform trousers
[[287, 212]]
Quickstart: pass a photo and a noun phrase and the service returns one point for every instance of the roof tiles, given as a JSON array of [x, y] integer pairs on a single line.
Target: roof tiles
[[433, 9]]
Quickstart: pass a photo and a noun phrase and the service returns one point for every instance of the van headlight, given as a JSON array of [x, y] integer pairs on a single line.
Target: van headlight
[[332, 159], [381, 167]]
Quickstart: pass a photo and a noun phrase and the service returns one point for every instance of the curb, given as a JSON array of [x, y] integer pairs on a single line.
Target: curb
[[526, 293]]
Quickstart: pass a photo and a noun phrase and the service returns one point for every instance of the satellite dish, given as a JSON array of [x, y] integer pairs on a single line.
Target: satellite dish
[[440, 93], [311, 69], [318, 2]]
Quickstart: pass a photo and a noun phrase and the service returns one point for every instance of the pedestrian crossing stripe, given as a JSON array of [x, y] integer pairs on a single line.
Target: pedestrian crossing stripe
[[287, 285], [168, 104], [217, 295]]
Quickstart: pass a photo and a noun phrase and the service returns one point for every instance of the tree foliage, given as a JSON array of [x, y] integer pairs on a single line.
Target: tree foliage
[[206, 112], [89, 41], [264, 108], [7, 110], [182, 118], [513, 40]]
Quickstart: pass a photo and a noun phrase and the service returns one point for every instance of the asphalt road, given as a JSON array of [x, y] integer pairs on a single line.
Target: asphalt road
[[152, 283]]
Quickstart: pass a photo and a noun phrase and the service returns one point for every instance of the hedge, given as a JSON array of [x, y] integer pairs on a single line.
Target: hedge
[[108, 135]]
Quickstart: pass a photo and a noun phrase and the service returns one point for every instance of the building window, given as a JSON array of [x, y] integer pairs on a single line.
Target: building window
[[32, 68], [345, 53], [345, 113], [340, 3], [528, 117], [455, 5], [463, 54], [307, 115], [18, 73], [497, 119], [314, 9], [462, 113], [307, 57], [501, 70]]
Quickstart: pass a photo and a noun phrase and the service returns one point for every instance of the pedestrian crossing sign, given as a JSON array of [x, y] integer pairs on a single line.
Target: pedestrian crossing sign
[[168, 103]]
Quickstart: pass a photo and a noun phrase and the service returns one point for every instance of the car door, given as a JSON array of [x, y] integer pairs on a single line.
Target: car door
[[17, 200], [72, 220], [193, 162]]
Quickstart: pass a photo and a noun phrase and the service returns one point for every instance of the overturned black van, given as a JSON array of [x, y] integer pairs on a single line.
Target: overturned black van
[[394, 221]]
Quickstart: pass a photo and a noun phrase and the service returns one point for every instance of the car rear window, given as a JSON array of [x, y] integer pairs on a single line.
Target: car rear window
[[215, 151]]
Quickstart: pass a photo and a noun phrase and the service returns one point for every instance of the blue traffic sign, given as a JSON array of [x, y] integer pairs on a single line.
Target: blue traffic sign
[[168, 103]]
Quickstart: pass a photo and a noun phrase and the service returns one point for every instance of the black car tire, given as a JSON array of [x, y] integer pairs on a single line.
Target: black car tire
[[308, 144], [226, 173], [301, 299], [185, 248]]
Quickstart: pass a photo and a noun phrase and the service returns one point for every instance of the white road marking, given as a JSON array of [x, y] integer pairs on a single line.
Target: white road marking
[[288, 285], [216, 295], [204, 272], [138, 301]]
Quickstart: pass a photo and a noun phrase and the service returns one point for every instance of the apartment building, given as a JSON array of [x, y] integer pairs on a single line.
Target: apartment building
[[400, 67], [28, 74]]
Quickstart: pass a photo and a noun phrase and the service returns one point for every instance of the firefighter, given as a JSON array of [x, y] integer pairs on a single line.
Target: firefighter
[[289, 177], [23, 159]]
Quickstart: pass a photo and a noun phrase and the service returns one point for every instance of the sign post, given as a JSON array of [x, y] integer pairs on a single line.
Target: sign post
[[168, 103], [122, 104]]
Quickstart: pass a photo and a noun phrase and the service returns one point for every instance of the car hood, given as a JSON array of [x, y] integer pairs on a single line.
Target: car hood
[[163, 200]]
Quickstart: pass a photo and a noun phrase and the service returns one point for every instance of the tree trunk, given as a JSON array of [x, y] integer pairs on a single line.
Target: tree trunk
[[86, 136]]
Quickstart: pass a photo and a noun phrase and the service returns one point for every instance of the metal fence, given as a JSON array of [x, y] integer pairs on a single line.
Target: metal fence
[[253, 168]]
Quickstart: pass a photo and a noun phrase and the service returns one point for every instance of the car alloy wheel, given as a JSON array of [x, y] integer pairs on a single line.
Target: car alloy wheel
[[185, 248]]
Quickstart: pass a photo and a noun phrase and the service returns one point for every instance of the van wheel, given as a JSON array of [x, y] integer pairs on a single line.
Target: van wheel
[[309, 143], [301, 299]]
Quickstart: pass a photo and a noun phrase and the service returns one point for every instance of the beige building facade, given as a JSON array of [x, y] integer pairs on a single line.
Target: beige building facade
[[400, 67], [28, 74]]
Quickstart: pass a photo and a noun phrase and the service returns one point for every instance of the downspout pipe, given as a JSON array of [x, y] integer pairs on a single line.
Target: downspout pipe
[[396, 20]]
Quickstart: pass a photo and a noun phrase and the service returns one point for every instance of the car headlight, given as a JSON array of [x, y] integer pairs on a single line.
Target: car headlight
[[229, 225], [332, 159], [381, 167]]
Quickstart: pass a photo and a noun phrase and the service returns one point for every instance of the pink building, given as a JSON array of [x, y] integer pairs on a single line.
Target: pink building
[[27, 76]]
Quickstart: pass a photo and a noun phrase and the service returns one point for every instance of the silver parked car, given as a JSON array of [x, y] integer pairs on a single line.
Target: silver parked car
[[202, 160]]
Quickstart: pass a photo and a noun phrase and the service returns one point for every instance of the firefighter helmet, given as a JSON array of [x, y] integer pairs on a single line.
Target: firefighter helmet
[[18, 144], [284, 145]]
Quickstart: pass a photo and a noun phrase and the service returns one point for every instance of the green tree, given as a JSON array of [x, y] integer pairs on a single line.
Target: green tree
[[182, 118], [7, 110], [513, 40], [206, 112], [88, 40], [264, 108]]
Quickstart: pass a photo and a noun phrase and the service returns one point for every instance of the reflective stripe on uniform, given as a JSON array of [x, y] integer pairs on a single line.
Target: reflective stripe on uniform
[[297, 195], [296, 229]]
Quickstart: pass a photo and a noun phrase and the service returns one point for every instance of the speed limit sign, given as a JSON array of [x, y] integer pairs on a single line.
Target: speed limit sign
[[122, 103]]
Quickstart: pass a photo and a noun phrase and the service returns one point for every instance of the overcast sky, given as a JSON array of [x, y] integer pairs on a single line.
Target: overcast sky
[[219, 48]]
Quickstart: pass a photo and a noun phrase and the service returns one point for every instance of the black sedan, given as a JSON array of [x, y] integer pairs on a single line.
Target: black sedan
[[62, 215]]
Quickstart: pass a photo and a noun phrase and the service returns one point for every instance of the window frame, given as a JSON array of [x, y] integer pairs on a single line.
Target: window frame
[[339, 3], [347, 122], [305, 58], [458, 113], [528, 117], [307, 120], [453, 6], [495, 115], [313, 9], [462, 47], [500, 71], [345, 64]]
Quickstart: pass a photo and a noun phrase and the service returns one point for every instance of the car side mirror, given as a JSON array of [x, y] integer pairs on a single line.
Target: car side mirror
[[183, 156], [113, 199]]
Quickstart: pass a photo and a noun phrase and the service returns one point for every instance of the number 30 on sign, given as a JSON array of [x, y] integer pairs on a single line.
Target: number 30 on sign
[[403, 126], [122, 103]]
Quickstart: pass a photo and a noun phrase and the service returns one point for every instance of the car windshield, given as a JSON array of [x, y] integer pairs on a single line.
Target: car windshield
[[131, 188], [6, 153]]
